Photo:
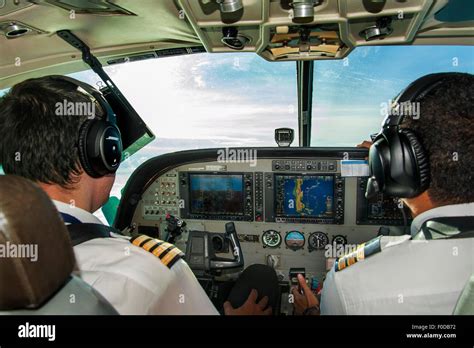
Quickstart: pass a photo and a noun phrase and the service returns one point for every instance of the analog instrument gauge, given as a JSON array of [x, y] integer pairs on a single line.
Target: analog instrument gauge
[[317, 241], [339, 239], [271, 239], [294, 240]]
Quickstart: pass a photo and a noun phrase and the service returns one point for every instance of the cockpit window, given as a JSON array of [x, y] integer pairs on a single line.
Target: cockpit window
[[351, 95], [205, 101]]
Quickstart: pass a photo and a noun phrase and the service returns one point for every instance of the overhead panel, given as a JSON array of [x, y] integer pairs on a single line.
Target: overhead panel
[[277, 30], [115, 28], [282, 30]]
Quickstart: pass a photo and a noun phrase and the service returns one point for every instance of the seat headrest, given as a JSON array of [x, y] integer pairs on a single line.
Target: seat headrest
[[36, 255]]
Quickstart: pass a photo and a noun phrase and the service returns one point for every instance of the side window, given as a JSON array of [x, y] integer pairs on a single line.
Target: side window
[[350, 96]]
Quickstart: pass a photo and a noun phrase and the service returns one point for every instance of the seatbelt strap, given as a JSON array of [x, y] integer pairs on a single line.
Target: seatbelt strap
[[456, 227], [81, 233], [69, 219]]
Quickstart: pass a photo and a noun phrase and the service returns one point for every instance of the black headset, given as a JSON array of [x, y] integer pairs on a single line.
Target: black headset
[[100, 142], [398, 162]]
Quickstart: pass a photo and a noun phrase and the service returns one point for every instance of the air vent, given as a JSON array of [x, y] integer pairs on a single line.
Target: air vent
[[93, 7], [15, 29], [379, 31]]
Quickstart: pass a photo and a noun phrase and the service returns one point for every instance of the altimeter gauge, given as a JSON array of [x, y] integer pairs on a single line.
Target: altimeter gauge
[[317, 241]]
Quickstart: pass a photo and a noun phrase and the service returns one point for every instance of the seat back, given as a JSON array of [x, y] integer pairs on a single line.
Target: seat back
[[465, 304], [37, 258]]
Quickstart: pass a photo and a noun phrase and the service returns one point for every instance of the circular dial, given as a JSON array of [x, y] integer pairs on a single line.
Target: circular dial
[[294, 240], [317, 241], [271, 239], [339, 239]]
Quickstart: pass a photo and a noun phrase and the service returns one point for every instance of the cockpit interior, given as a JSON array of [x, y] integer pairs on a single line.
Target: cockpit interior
[[240, 125]]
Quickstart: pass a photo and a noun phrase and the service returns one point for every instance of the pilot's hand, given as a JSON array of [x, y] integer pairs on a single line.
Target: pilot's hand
[[250, 307], [305, 300], [365, 144]]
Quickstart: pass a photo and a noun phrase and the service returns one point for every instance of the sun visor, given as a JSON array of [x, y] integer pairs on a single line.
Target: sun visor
[[135, 133]]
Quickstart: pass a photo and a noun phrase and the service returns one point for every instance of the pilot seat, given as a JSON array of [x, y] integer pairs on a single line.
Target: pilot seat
[[37, 258]]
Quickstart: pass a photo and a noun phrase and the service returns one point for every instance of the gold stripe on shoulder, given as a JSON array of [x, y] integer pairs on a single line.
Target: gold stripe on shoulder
[[174, 255], [170, 255], [160, 250], [139, 239], [167, 253]]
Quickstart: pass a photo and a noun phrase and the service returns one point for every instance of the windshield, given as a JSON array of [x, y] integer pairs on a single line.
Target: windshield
[[351, 95], [209, 100], [205, 101]]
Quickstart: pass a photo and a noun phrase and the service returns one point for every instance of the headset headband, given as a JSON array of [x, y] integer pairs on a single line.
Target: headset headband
[[95, 96]]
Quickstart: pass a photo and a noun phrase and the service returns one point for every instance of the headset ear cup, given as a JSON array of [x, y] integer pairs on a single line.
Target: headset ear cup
[[420, 157], [111, 148], [83, 156], [378, 166]]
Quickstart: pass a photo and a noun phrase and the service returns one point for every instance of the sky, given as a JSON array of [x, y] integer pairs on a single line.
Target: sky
[[348, 94], [238, 99]]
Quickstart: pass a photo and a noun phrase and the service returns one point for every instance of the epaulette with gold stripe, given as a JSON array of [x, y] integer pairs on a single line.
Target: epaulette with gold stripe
[[166, 252], [360, 253]]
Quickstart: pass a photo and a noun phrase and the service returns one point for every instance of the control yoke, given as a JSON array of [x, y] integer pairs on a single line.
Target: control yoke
[[202, 248], [238, 260]]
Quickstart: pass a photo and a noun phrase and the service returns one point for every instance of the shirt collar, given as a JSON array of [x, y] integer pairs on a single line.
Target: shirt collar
[[83, 216], [466, 209]]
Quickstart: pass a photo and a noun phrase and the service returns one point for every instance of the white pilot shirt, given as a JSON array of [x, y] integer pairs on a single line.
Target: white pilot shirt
[[132, 279], [412, 277]]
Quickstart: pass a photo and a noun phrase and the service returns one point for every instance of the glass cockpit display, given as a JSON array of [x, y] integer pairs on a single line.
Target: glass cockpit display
[[216, 194], [304, 196]]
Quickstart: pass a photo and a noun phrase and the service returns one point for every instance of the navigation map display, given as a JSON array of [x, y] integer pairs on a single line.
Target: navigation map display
[[304, 196], [216, 194]]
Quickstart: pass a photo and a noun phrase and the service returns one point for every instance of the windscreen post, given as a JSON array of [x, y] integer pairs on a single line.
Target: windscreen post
[[304, 70]]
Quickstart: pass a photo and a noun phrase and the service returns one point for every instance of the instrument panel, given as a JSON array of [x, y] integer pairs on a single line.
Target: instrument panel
[[288, 212]]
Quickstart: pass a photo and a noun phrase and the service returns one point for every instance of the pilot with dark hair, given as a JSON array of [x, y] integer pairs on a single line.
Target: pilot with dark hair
[[427, 161], [40, 136]]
